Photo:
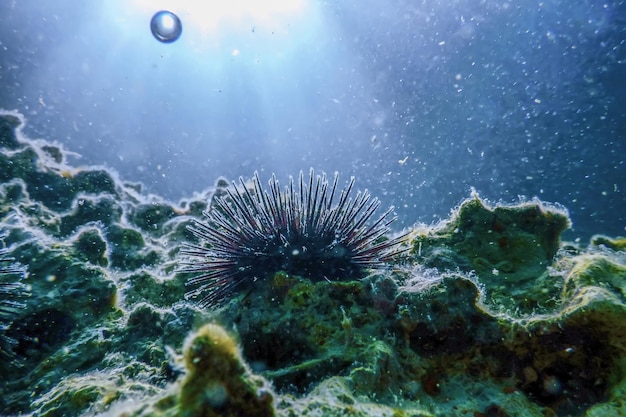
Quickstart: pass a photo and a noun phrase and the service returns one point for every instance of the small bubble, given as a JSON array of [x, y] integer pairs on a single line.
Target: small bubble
[[166, 26]]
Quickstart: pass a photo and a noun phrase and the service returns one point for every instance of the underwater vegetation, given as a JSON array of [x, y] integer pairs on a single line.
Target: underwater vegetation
[[252, 235], [487, 313]]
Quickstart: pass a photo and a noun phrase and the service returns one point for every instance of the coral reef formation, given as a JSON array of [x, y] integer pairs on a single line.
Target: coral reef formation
[[491, 315]]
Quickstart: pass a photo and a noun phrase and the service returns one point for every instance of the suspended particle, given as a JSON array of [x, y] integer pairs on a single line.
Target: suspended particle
[[166, 26]]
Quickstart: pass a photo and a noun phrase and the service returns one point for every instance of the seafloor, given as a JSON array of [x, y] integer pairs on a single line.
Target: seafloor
[[490, 314]]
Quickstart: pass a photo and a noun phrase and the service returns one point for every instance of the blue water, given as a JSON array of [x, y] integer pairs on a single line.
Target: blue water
[[419, 100]]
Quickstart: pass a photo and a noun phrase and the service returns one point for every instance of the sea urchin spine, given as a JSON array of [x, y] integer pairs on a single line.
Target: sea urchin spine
[[11, 291], [250, 234]]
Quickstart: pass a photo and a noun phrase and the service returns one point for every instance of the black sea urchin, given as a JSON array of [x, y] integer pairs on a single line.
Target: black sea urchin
[[11, 291], [250, 234]]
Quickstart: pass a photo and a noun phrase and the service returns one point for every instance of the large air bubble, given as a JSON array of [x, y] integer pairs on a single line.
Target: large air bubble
[[166, 26]]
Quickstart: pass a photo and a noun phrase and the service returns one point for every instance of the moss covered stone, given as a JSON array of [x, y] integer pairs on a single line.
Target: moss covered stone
[[145, 287], [94, 182], [18, 165], [520, 239], [8, 126], [103, 209], [616, 244], [218, 382], [490, 315], [509, 248], [151, 217], [128, 250], [91, 246]]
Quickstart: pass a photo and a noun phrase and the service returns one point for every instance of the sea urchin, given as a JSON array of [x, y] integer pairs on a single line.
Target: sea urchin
[[11, 290], [250, 234]]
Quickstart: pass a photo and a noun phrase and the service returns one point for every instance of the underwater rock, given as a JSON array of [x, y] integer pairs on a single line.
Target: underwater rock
[[91, 246], [9, 123], [103, 210], [490, 314], [151, 217], [562, 326], [69, 228], [616, 244], [128, 250], [509, 248], [218, 382], [141, 286]]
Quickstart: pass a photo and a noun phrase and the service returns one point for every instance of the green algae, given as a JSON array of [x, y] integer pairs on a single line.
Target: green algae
[[104, 210], [218, 382], [596, 271], [151, 217], [91, 247], [142, 286], [510, 249], [491, 314], [128, 250], [616, 244]]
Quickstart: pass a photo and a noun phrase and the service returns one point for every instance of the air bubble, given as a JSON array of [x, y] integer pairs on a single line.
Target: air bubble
[[166, 26]]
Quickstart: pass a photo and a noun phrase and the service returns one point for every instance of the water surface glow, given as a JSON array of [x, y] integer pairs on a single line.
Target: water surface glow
[[420, 101]]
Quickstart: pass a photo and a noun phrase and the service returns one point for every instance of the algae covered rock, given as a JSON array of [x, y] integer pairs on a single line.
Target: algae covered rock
[[517, 238], [91, 246], [560, 312], [218, 382], [490, 314], [616, 244], [520, 333], [68, 228], [509, 248]]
